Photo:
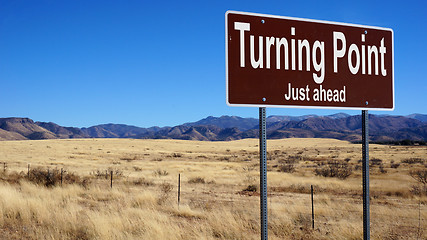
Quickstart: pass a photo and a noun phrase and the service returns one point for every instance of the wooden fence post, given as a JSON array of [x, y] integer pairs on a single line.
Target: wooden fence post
[[179, 188], [111, 183], [312, 207]]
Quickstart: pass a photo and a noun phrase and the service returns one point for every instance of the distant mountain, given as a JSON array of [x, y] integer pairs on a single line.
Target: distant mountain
[[275, 118], [7, 135], [338, 126], [117, 131], [227, 122], [421, 117], [338, 115], [348, 128], [23, 128], [63, 132]]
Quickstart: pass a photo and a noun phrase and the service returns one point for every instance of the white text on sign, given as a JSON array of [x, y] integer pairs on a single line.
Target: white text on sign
[[368, 59]]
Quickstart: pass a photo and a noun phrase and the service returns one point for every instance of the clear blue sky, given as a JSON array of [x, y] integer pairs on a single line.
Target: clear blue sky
[[147, 63]]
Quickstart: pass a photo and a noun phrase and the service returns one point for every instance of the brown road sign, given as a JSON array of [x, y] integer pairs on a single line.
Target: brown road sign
[[291, 62]]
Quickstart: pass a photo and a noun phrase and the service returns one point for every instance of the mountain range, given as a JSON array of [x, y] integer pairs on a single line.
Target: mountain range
[[382, 128]]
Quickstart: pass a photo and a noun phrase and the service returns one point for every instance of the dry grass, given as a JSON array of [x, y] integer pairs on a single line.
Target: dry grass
[[143, 201]]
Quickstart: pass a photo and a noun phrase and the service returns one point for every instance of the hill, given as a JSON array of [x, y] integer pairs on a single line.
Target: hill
[[421, 117], [242, 124], [338, 126]]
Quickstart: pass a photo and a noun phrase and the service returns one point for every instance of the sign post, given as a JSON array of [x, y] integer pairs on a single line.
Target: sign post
[[276, 61], [365, 174], [263, 172]]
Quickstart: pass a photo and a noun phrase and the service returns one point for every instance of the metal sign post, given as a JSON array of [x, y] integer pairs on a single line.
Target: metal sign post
[[263, 172], [365, 174]]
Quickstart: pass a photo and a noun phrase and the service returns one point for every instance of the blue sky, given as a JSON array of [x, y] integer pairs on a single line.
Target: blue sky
[[162, 63]]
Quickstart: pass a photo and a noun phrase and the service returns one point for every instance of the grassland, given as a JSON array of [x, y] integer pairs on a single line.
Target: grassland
[[219, 184]]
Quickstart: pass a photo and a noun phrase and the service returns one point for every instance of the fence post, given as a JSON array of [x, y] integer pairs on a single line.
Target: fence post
[[111, 183], [419, 219], [61, 176], [179, 188], [4, 167], [28, 173], [312, 207]]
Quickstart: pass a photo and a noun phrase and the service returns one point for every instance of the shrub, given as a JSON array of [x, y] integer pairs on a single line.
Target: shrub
[[251, 188], [335, 168], [12, 177], [165, 189], [142, 181], [129, 158], [419, 190], [106, 173], [137, 169], [160, 173], [375, 161], [382, 170], [294, 158], [116, 172], [303, 221], [49, 177], [413, 160], [100, 173], [196, 180], [394, 165], [287, 168], [70, 178], [419, 175]]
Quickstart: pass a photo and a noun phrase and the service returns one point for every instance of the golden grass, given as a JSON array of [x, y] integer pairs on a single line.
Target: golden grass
[[143, 201]]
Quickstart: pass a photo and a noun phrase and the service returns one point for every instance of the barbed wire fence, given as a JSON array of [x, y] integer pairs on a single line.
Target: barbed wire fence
[[328, 214]]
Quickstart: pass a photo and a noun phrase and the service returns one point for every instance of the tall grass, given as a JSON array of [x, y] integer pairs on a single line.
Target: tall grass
[[143, 201]]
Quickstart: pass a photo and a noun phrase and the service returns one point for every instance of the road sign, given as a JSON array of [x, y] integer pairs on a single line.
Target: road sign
[[275, 61]]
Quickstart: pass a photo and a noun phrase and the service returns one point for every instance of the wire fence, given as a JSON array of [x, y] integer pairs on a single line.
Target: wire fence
[[409, 214]]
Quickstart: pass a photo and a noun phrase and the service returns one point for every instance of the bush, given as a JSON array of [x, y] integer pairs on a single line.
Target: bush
[[287, 168], [251, 188], [382, 170], [419, 175], [413, 161], [375, 161], [303, 221], [165, 189], [106, 173], [137, 169], [419, 190], [294, 159], [160, 173], [197, 180], [394, 165], [51, 177], [335, 168], [142, 182]]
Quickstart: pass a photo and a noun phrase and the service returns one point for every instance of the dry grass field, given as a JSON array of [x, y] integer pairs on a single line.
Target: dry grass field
[[219, 189]]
